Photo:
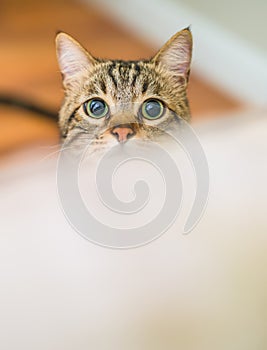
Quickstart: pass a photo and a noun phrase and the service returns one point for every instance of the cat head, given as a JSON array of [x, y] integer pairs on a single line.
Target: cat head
[[110, 101]]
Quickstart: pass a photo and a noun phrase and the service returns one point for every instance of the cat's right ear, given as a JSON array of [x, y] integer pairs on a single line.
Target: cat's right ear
[[73, 59], [176, 54]]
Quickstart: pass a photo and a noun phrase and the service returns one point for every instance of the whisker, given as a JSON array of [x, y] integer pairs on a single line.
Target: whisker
[[54, 153], [50, 146]]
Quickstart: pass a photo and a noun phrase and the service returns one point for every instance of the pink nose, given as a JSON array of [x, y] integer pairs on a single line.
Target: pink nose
[[122, 133]]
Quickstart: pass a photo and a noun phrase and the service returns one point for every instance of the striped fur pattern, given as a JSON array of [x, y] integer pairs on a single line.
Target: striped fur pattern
[[124, 86]]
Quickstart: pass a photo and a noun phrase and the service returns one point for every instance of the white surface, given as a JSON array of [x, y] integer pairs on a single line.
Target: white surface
[[245, 18], [206, 290]]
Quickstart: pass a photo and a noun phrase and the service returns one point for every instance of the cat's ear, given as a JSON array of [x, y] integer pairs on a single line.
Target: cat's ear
[[176, 54], [73, 59]]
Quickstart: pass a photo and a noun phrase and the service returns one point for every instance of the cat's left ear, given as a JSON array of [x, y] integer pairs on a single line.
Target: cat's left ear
[[73, 59], [176, 54]]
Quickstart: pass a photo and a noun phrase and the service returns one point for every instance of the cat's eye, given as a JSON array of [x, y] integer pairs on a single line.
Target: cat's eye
[[152, 109], [95, 108]]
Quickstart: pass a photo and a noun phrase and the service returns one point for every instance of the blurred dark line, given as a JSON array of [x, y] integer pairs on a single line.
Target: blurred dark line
[[21, 103]]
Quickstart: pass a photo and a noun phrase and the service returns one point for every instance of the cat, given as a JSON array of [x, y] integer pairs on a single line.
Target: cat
[[113, 100]]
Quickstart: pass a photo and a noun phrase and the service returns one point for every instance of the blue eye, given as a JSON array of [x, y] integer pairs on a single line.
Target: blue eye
[[95, 108], [152, 109]]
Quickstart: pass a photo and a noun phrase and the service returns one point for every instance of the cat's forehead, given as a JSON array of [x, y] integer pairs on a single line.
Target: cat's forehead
[[123, 81], [124, 70]]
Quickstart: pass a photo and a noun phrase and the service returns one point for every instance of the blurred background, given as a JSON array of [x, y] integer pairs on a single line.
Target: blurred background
[[229, 63]]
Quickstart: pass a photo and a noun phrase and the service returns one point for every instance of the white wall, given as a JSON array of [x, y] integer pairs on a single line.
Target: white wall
[[246, 19]]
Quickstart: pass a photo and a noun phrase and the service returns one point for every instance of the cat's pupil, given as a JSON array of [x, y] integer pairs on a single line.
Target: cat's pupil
[[97, 107], [153, 109]]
